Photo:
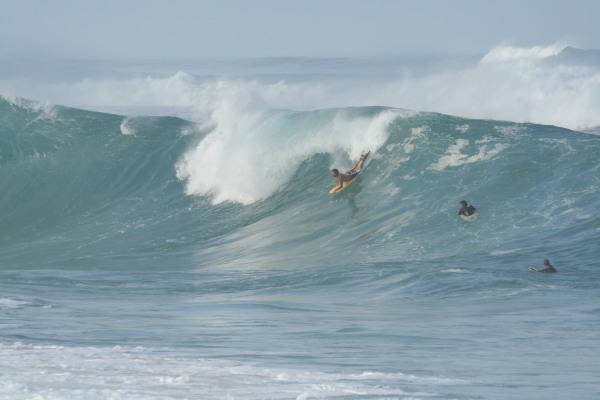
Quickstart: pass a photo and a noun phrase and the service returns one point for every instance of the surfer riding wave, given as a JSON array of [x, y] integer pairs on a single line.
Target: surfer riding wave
[[350, 174]]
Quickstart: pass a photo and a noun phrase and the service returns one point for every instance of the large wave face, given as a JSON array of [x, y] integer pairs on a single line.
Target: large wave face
[[253, 189], [75, 179]]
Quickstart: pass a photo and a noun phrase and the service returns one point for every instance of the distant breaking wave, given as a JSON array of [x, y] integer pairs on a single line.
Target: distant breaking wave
[[552, 84], [507, 53]]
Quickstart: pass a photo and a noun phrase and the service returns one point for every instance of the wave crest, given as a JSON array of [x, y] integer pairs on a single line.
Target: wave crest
[[504, 53], [251, 154]]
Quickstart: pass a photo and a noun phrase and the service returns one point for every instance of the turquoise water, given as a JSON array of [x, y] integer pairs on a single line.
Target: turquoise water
[[159, 258]]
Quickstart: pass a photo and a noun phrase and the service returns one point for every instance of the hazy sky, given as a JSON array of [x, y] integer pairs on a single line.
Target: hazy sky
[[155, 29]]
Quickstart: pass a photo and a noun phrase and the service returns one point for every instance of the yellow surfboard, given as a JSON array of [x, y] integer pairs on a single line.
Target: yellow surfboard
[[344, 185]]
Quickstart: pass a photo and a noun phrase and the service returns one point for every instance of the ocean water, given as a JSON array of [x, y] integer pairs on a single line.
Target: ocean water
[[198, 255]]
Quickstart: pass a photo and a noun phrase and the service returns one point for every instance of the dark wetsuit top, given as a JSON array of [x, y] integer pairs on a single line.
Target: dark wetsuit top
[[468, 211], [548, 269]]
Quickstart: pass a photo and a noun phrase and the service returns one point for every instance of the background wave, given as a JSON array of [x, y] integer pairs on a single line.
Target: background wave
[[554, 84]]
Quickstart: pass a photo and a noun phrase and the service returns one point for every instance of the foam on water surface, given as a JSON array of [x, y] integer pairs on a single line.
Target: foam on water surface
[[65, 372]]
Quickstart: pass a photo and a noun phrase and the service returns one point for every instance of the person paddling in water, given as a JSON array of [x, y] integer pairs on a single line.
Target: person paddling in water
[[466, 209], [351, 174], [548, 268]]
